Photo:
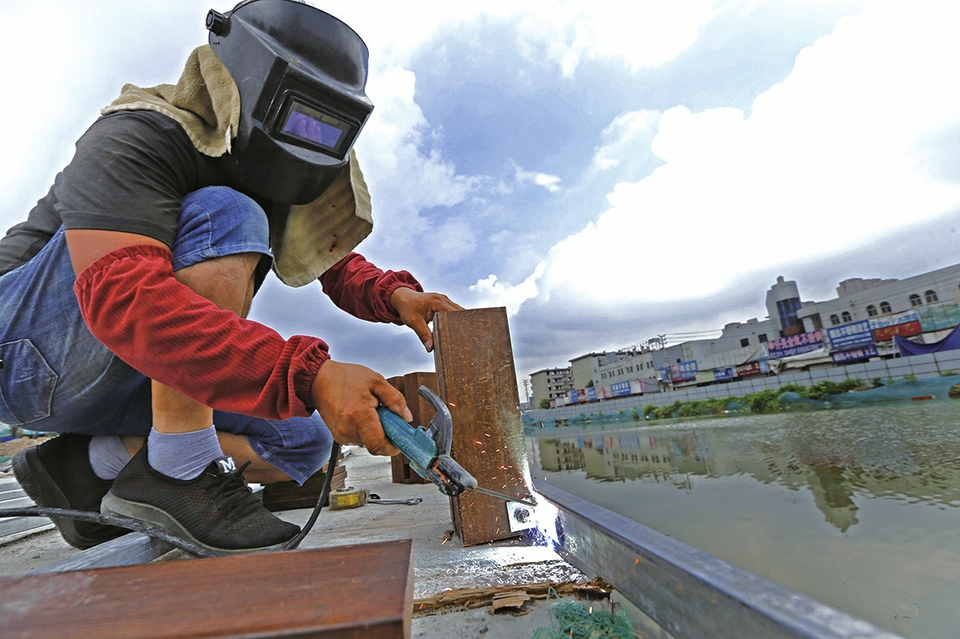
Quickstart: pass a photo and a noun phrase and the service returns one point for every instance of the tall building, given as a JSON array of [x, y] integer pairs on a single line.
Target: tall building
[[551, 384], [783, 305]]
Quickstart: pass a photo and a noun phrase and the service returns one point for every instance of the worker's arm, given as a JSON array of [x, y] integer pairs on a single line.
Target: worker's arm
[[416, 310], [365, 291], [133, 303]]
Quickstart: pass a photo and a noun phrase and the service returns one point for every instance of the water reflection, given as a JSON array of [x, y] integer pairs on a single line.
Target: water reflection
[[854, 507], [904, 452]]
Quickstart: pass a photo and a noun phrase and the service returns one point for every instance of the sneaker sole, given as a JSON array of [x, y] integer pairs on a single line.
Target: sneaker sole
[[113, 505], [37, 483]]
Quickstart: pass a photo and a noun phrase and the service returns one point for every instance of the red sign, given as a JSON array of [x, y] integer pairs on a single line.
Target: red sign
[[903, 330], [746, 370]]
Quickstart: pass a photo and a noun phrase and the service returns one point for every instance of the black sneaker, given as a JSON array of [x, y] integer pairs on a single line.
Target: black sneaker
[[216, 511], [57, 474]]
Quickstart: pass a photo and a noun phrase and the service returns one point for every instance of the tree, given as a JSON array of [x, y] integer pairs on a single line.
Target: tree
[[544, 403]]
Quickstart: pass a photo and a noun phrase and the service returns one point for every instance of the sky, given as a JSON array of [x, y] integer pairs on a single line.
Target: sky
[[605, 174]]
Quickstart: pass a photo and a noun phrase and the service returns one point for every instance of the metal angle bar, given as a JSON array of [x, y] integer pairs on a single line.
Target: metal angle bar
[[132, 548], [16, 525], [689, 592]]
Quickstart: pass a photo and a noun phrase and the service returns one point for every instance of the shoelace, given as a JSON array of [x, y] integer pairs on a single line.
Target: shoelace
[[238, 501]]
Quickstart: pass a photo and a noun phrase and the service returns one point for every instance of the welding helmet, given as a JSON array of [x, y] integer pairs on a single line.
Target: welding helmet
[[301, 74]]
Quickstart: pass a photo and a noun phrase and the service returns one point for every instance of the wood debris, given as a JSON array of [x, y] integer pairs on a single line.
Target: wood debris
[[500, 597]]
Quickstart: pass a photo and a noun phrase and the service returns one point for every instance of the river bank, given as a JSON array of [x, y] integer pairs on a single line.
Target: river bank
[[825, 394]]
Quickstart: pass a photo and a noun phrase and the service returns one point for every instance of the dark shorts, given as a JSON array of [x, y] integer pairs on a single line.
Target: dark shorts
[[58, 378]]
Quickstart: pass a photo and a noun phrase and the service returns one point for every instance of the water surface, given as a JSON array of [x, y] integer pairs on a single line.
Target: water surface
[[857, 508]]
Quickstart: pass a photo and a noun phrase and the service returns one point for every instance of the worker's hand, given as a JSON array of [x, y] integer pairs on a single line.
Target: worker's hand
[[347, 396], [416, 310]]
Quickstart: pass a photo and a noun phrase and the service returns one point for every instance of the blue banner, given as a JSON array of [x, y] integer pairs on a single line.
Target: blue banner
[[795, 345], [841, 357], [727, 372], [684, 371], [619, 389], [855, 334]]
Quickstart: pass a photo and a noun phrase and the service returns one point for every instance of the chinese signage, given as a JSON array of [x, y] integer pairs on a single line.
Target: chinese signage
[[903, 330], [855, 334], [727, 372], [750, 368], [619, 389], [684, 371], [893, 320], [852, 355], [795, 344]]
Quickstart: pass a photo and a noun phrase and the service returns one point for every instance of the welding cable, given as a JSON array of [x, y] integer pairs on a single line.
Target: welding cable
[[324, 494], [162, 535], [109, 520]]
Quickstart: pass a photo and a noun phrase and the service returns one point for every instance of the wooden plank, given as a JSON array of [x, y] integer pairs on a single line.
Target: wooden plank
[[287, 495], [476, 377], [362, 591]]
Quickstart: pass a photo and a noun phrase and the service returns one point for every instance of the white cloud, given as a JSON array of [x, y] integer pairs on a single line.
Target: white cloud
[[549, 182], [491, 293], [829, 159], [622, 136], [403, 179], [642, 33]]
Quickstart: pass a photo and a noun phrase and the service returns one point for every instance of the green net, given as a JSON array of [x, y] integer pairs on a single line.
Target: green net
[[571, 620]]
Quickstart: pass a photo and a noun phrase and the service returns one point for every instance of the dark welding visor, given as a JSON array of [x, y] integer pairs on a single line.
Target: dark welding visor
[[301, 74]]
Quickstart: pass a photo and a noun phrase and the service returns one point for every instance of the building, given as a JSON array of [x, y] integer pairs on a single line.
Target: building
[[860, 324], [934, 298], [583, 368], [551, 384]]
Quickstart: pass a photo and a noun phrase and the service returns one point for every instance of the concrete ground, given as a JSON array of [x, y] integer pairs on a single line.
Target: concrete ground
[[440, 561]]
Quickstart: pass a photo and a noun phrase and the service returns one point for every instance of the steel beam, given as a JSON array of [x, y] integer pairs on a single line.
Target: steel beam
[[688, 592], [126, 550]]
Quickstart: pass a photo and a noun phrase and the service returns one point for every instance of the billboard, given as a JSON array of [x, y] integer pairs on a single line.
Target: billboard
[[854, 354], [727, 372], [847, 335], [795, 344], [684, 371], [746, 370], [903, 330], [893, 320], [619, 389]]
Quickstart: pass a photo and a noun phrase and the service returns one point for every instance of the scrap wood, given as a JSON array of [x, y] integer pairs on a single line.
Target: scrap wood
[[467, 598], [509, 601]]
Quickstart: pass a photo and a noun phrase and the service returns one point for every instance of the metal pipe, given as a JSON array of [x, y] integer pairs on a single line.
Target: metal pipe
[[688, 592]]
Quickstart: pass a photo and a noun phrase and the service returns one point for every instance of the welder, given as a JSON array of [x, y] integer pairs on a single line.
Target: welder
[[124, 294]]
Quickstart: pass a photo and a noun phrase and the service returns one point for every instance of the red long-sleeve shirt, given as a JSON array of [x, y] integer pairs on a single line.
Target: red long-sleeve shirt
[[134, 305]]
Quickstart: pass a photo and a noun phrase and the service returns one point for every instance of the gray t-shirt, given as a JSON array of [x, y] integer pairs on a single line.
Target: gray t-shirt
[[130, 172]]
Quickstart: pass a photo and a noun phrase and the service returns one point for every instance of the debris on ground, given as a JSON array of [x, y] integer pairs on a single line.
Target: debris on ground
[[508, 598]]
